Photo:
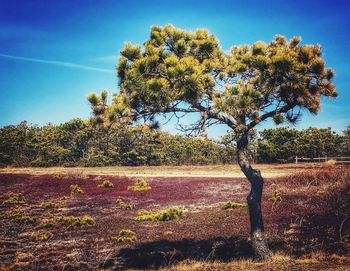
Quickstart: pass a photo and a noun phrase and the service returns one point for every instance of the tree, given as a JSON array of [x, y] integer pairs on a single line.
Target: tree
[[177, 72], [278, 145]]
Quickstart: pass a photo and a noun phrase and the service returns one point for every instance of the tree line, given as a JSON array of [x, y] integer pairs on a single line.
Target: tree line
[[78, 143]]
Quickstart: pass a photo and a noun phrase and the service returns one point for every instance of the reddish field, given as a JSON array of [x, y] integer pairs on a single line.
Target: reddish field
[[311, 217]]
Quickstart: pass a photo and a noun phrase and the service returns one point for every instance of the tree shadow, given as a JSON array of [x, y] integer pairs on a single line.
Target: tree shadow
[[154, 255]]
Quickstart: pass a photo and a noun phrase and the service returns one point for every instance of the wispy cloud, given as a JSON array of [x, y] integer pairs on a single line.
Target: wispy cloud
[[107, 58], [58, 63]]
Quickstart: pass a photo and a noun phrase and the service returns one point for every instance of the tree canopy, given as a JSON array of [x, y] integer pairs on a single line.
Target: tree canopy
[[181, 71]]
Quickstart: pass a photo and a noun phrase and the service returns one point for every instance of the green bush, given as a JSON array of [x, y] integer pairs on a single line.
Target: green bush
[[75, 190], [69, 221], [51, 204], [106, 184], [41, 236], [17, 214], [13, 198], [233, 205], [125, 236], [124, 205], [276, 196], [140, 185], [173, 213]]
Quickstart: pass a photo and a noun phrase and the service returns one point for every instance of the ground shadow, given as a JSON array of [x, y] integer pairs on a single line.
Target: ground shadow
[[154, 255]]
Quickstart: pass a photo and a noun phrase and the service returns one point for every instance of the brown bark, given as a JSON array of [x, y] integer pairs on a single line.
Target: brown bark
[[259, 243]]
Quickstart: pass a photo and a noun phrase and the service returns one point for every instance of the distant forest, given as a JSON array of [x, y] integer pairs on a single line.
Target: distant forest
[[78, 143]]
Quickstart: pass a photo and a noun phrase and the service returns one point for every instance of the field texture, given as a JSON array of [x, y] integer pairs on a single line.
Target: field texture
[[70, 220]]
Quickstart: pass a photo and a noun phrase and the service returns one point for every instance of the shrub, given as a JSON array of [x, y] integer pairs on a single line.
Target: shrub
[[140, 185], [70, 221], [51, 204], [13, 198], [17, 214], [42, 236], [330, 162], [276, 196], [75, 190], [125, 236], [173, 213], [57, 176], [233, 205], [124, 205], [106, 184]]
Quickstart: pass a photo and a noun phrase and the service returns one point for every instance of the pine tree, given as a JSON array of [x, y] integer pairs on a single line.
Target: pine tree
[[177, 71]]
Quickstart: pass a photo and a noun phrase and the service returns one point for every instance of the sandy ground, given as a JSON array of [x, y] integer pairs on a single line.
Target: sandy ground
[[233, 171]]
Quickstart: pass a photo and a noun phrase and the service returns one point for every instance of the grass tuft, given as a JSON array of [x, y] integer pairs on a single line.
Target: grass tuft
[[125, 236], [75, 190], [233, 205], [331, 162], [17, 214], [106, 184], [41, 236], [69, 221], [124, 205], [49, 204], [276, 196], [173, 213], [57, 176], [140, 185], [13, 198]]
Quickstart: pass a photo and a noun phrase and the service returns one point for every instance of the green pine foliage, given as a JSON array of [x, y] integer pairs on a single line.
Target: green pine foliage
[[86, 145], [80, 143]]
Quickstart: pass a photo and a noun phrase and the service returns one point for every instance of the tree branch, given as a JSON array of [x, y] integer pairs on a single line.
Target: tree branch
[[283, 109]]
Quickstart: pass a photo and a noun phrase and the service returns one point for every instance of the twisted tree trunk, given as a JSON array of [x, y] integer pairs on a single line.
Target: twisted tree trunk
[[259, 244]]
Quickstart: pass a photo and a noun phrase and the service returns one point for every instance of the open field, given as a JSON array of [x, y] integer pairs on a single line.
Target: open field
[[275, 170], [307, 218]]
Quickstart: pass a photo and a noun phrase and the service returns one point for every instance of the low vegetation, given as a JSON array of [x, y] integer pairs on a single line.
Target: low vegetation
[[173, 213], [17, 214], [276, 196], [41, 236], [57, 176], [106, 184], [121, 204], [233, 205], [125, 236], [312, 216], [75, 190], [13, 198], [48, 204], [140, 185], [278, 262], [69, 221]]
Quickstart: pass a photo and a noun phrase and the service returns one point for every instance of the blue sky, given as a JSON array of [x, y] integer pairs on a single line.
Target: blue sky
[[52, 53]]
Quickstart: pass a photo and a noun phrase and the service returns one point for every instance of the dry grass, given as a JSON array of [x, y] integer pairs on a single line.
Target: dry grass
[[331, 162], [267, 170], [278, 262]]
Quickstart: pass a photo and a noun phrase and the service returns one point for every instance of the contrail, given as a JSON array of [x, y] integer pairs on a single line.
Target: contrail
[[58, 63]]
